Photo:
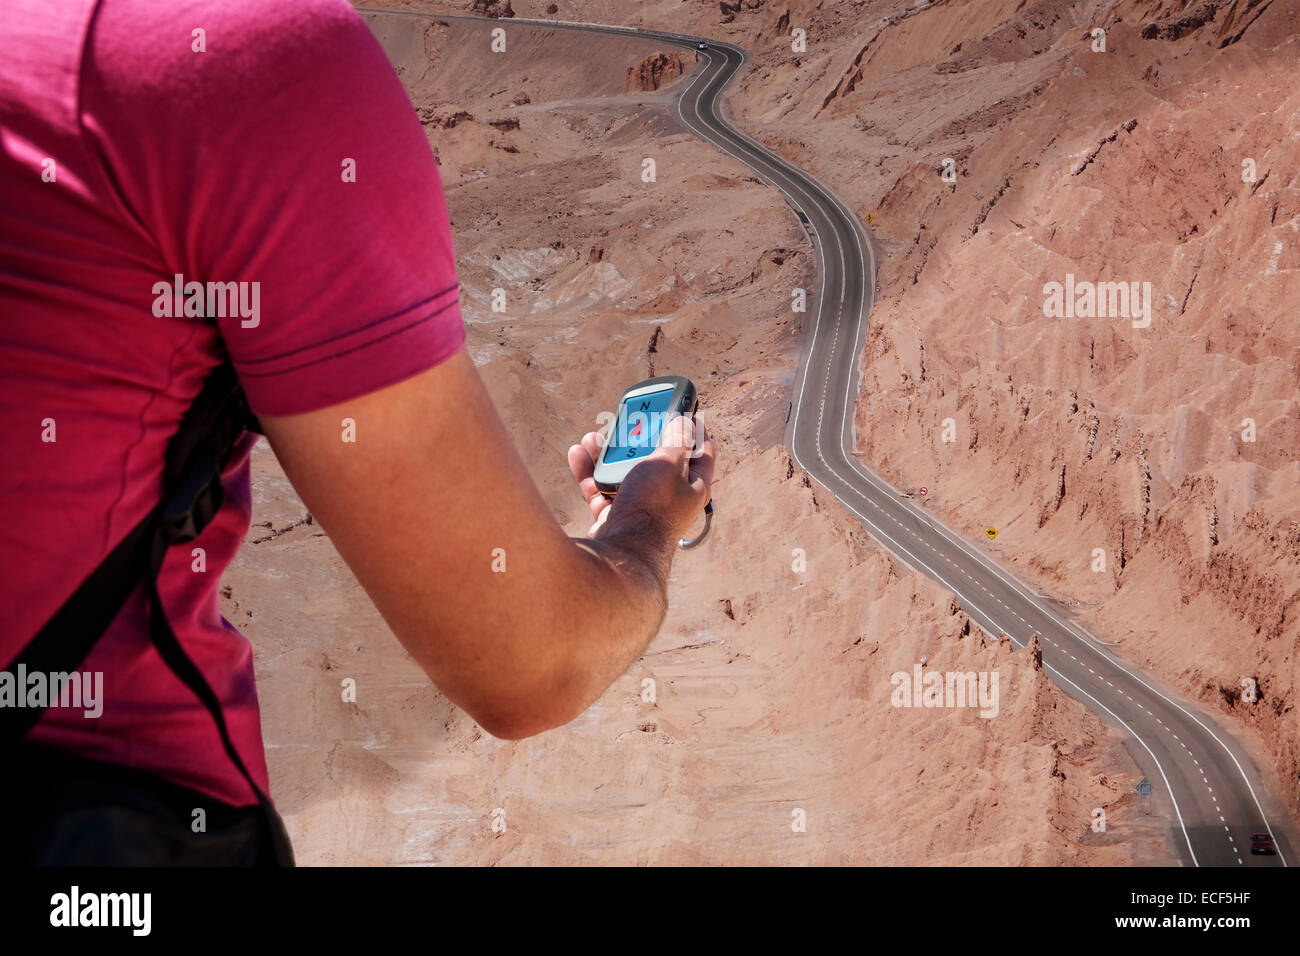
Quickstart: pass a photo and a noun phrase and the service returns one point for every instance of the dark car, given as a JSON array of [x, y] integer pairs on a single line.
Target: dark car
[[701, 45], [1262, 843]]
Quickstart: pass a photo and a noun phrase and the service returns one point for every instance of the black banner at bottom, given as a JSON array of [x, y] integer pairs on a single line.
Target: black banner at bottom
[[334, 906]]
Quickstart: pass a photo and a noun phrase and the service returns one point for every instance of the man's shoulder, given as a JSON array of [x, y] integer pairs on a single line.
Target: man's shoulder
[[182, 42]]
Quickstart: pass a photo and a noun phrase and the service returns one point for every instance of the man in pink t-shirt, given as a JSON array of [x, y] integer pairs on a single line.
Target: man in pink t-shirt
[[266, 149]]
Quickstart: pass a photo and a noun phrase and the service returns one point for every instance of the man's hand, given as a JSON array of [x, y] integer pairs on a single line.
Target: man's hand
[[670, 485]]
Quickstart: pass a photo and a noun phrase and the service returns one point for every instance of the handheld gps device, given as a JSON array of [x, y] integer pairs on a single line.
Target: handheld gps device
[[643, 412]]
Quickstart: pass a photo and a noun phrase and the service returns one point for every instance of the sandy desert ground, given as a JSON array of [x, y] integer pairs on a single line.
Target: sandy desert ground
[[772, 684]]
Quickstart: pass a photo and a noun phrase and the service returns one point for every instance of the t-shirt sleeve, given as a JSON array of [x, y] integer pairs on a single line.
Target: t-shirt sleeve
[[270, 145]]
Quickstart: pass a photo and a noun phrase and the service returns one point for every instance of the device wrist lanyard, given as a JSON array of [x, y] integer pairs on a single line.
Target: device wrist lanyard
[[687, 543]]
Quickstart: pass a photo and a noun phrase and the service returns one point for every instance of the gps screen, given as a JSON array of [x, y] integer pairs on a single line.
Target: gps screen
[[640, 419]]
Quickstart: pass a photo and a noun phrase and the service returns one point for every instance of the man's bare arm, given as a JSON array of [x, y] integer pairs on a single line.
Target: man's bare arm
[[418, 505]]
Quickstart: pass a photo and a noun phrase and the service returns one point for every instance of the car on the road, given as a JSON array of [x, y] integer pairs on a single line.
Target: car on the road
[[1262, 843], [701, 45]]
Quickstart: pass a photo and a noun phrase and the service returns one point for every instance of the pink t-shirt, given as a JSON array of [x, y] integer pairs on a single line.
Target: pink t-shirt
[[243, 141]]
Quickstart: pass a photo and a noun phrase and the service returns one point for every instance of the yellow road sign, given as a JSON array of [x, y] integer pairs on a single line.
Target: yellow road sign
[[870, 217], [991, 533]]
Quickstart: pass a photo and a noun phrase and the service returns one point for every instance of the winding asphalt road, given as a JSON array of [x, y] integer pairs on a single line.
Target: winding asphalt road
[[1212, 790]]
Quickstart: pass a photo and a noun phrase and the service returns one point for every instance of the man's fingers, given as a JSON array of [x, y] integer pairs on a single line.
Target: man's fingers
[[582, 457], [702, 439], [596, 501], [580, 463], [702, 464], [601, 518]]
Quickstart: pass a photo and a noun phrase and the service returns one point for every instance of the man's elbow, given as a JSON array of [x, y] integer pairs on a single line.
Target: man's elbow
[[511, 728], [515, 716], [505, 724]]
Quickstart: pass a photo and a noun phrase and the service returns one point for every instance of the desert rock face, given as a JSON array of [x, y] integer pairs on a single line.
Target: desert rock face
[[772, 675], [492, 8], [656, 70], [1169, 158]]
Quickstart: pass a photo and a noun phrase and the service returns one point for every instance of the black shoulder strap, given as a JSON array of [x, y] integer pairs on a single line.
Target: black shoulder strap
[[192, 495]]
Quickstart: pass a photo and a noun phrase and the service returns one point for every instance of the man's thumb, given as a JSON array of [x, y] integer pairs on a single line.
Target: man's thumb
[[678, 435]]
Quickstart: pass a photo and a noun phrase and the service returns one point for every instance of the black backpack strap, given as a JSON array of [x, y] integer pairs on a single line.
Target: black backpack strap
[[66, 640], [192, 495], [183, 666]]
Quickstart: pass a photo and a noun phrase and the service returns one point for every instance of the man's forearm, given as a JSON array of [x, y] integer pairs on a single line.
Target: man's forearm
[[625, 595], [639, 541]]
